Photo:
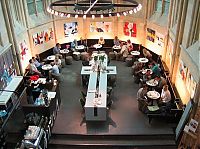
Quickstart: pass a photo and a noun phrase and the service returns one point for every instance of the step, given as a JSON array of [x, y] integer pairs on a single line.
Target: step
[[111, 137], [100, 141]]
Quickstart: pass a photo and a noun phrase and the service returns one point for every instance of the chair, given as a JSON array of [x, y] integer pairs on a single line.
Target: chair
[[142, 105], [82, 102], [170, 113]]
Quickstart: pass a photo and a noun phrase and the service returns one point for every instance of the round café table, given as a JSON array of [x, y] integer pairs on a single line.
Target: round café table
[[51, 58], [135, 53], [117, 48], [64, 51], [46, 69], [152, 83], [143, 60], [145, 71], [80, 48], [153, 96], [97, 46]]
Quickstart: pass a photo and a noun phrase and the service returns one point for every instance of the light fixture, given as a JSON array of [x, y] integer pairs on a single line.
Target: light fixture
[[93, 8], [93, 16]]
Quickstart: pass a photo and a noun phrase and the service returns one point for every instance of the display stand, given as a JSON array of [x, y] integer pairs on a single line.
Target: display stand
[[191, 139]]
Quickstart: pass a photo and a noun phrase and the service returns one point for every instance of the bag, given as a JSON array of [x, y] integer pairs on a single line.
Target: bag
[[34, 78]]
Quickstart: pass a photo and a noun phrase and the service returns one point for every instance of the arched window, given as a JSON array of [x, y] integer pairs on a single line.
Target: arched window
[[35, 6]]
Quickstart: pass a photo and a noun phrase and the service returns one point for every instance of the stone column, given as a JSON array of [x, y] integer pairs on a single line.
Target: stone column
[[11, 35], [170, 17]]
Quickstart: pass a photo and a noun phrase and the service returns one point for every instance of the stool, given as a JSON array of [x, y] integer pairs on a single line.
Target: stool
[[84, 56], [130, 56], [129, 61], [112, 55], [118, 56], [76, 56], [68, 60]]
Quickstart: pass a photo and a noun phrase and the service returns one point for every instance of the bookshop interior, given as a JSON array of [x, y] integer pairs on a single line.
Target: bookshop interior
[[119, 74]]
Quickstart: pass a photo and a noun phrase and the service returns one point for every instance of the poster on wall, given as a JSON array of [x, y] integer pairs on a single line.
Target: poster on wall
[[130, 29], [190, 84], [101, 27], [23, 49], [159, 39], [70, 29], [43, 36], [7, 68], [150, 35], [183, 70]]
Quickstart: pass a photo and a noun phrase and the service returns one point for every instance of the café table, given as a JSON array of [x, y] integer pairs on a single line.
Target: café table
[[152, 83], [46, 69], [51, 58], [143, 60], [144, 71], [64, 52], [97, 46], [80, 48], [135, 53], [153, 96], [116, 48]]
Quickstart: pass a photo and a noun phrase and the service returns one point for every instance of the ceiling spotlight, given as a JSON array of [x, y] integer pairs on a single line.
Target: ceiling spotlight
[[84, 16], [62, 14], [118, 15], [131, 11], [52, 11], [93, 16], [110, 15], [68, 16], [48, 9], [102, 16], [76, 16], [124, 13], [56, 13]]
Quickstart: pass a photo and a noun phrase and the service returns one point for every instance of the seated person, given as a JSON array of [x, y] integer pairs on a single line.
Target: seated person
[[137, 69], [55, 70], [156, 70], [86, 61], [82, 42], [161, 82], [56, 49], [101, 41], [33, 69], [141, 94], [147, 76], [37, 64], [129, 45], [165, 95], [124, 52], [116, 41], [147, 54], [57, 61], [73, 45]]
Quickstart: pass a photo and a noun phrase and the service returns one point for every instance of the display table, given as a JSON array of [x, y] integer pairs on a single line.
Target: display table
[[96, 99]]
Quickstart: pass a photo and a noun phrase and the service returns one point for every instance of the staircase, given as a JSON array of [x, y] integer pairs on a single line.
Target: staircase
[[62, 141]]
